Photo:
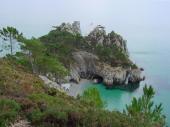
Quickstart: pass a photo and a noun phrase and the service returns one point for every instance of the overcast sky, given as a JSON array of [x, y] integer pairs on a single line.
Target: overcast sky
[[130, 18]]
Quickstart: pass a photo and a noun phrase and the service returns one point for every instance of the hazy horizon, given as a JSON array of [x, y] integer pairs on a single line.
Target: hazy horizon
[[139, 17], [143, 23]]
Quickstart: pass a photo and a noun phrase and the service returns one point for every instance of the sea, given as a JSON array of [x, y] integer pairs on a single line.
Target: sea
[[154, 56]]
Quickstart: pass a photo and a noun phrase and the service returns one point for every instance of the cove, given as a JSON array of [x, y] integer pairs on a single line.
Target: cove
[[157, 69], [115, 99]]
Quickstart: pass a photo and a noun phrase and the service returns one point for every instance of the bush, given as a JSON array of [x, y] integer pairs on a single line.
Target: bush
[[9, 110], [112, 55], [143, 112], [64, 111], [92, 97], [51, 110]]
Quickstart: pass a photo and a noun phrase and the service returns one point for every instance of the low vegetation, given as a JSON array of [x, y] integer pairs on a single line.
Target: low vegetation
[[23, 94], [92, 96], [64, 43], [16, 81], [50, 108], [113, 56], [9, 110]]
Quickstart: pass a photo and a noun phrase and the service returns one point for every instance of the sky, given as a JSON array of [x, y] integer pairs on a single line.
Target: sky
[[134, 19]]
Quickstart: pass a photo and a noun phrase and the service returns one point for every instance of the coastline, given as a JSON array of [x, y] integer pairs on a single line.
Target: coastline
[[77, 89], [71, 89]]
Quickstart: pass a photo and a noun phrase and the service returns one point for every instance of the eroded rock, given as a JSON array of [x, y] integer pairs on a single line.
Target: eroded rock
[[98, 36], [87, 65], [73, 28]]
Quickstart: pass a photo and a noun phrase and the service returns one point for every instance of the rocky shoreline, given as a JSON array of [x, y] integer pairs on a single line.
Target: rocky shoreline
[[73, 89], [88, 66], [99, 56]]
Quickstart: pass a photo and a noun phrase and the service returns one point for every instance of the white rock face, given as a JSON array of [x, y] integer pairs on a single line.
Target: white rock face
[[50, 83], [66, 86], [87, 65], [21, 123], [73, 28], [98, 36]]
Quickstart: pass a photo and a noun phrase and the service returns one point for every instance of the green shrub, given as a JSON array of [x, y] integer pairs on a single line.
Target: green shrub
[[143, 112], [112, 55], [49, 108], [92, 97], [9, 110], [39, 59]]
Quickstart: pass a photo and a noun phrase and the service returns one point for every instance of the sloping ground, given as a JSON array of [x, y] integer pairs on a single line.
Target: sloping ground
[[23, 94], [15, 81]]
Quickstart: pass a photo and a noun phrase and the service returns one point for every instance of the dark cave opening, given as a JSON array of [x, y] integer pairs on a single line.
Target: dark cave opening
[[97, 79]]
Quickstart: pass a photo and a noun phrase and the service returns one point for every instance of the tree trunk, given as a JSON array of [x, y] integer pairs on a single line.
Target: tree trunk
[[32, 64], [11, 44]]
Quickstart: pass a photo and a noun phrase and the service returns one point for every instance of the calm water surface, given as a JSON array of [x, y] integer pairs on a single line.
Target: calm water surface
[[155, 60]]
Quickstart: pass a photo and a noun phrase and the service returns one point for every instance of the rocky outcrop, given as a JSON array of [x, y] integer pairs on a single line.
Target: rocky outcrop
[[21, 123], [98, 36], [88, 65], [73, 28], [114, 71], [118, 75], [84, 66], [50, 83]]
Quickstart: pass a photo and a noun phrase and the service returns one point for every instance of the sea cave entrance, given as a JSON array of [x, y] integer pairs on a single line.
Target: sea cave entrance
[[97, 78]]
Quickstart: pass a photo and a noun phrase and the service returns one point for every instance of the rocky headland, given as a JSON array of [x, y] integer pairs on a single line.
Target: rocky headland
[[100, 57]]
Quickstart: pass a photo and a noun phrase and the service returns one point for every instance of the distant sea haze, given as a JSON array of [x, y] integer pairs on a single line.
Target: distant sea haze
[[5, 47]]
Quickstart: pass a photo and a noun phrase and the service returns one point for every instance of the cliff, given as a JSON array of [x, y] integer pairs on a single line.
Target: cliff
[[99, 56], [98, 36], [88, 65]]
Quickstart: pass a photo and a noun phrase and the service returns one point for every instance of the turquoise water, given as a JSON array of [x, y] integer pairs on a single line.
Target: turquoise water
[[155, 60], [115, 99]]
